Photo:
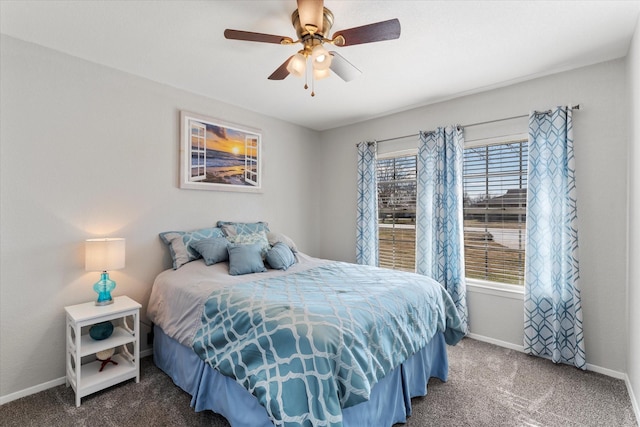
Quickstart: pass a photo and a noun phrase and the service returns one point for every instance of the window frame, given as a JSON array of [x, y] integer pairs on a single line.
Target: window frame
[[488, 286]]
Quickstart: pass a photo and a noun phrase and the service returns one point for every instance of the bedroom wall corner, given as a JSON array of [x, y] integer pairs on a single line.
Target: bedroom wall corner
[[90, 151], [633, 279]]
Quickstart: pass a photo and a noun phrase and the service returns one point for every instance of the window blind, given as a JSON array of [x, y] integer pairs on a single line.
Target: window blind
[[495, 200], [397, 212]]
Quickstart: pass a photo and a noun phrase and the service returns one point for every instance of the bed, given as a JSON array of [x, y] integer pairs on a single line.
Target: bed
[[316, 343]]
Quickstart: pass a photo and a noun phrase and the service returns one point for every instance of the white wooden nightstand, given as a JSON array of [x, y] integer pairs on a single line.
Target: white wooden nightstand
[[86, 377]]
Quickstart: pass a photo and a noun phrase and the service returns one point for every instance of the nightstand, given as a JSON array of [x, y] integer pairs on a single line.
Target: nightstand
[[85, 376]]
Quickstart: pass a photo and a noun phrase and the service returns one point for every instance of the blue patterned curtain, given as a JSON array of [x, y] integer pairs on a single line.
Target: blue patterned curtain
[[367, 213], [439, 233], [553, 311]]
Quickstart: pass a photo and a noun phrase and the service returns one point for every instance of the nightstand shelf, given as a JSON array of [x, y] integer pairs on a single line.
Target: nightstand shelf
[[85, 376], [93, 380], [119, 337]]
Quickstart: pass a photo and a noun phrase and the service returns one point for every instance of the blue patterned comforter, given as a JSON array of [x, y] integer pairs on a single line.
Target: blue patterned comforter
[[310, 343]]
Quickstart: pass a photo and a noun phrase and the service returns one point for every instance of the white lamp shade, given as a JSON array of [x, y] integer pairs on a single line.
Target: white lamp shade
[[104, 254], [321, 58], [297, 65], [320, 74]]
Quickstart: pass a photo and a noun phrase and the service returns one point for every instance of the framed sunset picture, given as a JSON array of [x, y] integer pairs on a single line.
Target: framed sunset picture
[[218, 156]]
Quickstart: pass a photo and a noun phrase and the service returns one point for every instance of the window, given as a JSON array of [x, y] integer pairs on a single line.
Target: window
[[494, 209], [495, 200], [397, 212]]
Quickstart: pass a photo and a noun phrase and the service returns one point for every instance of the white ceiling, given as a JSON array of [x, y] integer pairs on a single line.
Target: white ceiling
[[446, 49]]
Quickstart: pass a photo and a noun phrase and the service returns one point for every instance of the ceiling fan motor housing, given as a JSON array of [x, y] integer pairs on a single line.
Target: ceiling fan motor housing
[[309, 34]]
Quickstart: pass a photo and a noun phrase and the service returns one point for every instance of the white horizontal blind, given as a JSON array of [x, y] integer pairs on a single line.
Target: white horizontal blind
[[397, 212], [495, 200]]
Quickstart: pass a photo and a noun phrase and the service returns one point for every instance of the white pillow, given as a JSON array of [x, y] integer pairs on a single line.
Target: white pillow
[[279, 237]]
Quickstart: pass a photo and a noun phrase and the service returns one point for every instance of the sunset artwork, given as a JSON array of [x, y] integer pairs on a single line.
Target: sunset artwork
[[218, 157]]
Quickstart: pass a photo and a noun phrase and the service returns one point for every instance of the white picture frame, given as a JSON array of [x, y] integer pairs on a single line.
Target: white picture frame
[[219, 156]]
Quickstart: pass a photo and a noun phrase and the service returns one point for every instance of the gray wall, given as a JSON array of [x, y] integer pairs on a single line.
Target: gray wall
[[89, 151], [633, 358], [601, 131]]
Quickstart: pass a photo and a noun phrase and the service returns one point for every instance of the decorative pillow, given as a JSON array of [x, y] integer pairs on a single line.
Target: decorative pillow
[[181, 243], [246, 233], [245, 259], [279, 237], [213, 250], [248, 239], [231, 228], [280, 256]]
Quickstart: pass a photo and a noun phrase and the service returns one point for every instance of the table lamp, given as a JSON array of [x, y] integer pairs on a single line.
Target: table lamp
[[104, 255]]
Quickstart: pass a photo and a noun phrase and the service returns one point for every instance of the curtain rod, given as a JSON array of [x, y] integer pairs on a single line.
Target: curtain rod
[[573, 107]]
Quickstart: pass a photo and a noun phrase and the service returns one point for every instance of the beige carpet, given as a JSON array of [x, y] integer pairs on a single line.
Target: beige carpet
[[488, 386]]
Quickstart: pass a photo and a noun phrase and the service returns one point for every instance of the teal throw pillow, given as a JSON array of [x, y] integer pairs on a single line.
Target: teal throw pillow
[[245, 259], [280, 256], [213, 250]]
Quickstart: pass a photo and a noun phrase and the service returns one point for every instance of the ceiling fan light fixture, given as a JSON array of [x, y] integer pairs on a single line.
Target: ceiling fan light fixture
[[320, 74], [297, 65], [320, 57]]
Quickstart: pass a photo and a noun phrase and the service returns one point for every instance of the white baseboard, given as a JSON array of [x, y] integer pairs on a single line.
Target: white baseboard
[[606, 371], [634, 401], [32, 390], [499, 343], [520, 348], [49, 384]]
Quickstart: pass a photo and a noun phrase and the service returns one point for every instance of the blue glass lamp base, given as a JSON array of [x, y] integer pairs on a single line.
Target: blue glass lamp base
[[104, 287]]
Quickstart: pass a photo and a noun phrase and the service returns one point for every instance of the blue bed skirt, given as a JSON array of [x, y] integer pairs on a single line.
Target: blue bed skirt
[[389, 403]]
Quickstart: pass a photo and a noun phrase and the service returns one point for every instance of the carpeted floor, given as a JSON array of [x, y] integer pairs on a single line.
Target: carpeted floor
[[488, 386]]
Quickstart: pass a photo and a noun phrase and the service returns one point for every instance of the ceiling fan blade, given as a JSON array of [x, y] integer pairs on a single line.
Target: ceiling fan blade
[[281, 72], [310, 13], [343, 68], [379, 31], [255, 37]]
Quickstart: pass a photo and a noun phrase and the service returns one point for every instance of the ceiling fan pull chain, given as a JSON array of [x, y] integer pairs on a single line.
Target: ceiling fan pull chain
[[313, 86]]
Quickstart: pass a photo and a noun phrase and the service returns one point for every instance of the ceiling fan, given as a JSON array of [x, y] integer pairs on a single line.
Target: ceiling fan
[[312, 22]]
